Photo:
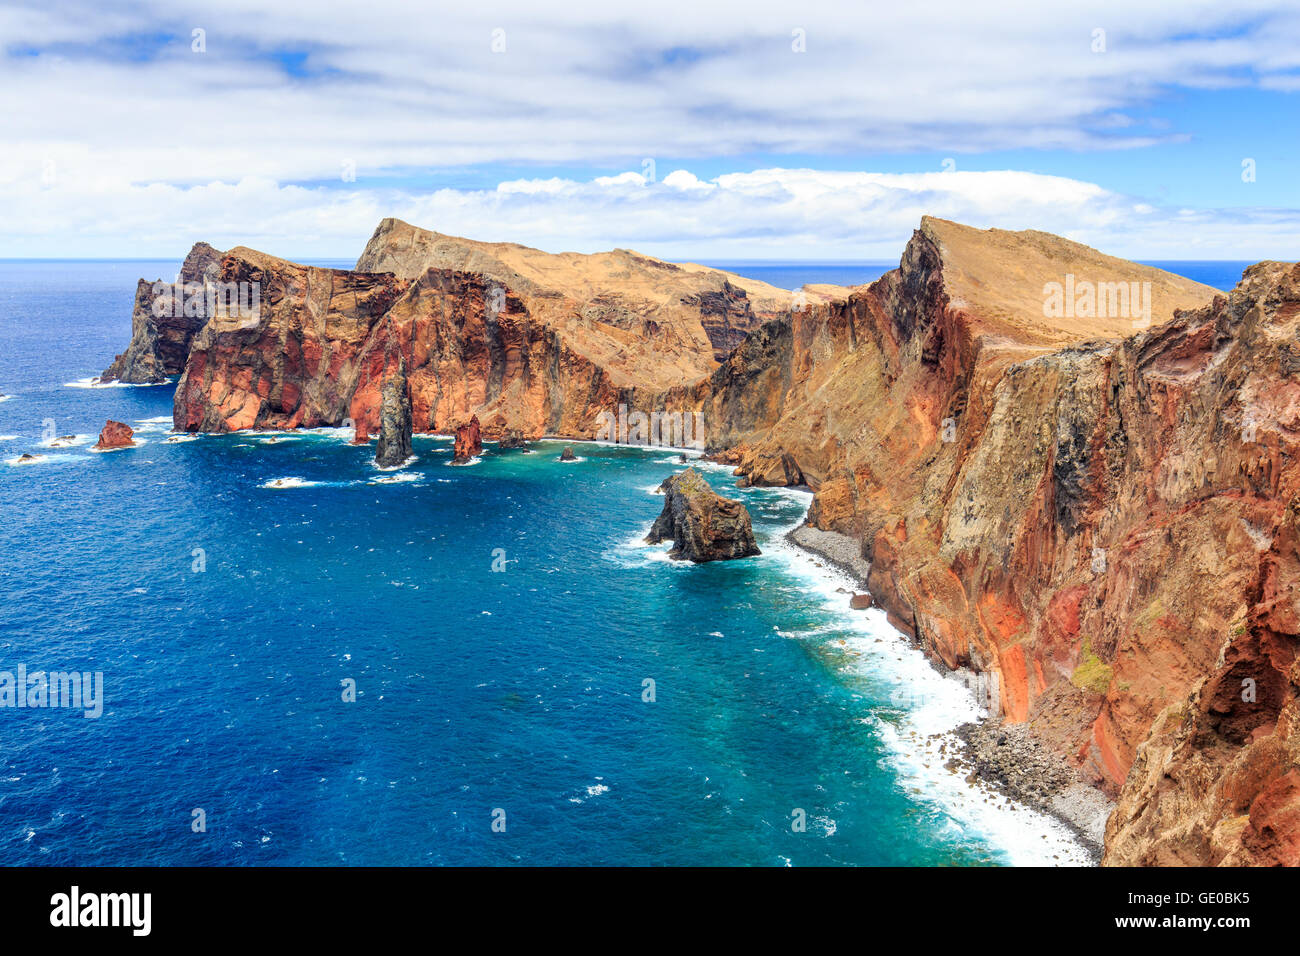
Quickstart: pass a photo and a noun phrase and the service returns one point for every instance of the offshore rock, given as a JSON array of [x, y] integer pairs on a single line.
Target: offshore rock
[[469, 442], [394, 445], [702, 525], [115, 435]]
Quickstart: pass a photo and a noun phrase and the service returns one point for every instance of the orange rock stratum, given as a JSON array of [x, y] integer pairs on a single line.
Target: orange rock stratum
[[1067, 470]]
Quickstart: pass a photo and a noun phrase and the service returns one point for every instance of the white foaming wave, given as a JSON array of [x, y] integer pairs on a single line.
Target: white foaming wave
[[465, 464], [278, 438], [402, 478], [289, 483], [136, 440], [931, 707], [572, 461], [65, 441], [410, 461], [94, 382], [17, 462], [635, 552], [5, 398], [177, 439], [8, 437]]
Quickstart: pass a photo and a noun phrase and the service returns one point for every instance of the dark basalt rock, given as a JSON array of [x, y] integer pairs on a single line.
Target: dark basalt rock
[[513, 438], [164, 323], [567, 454], [394, 445], [702, 525]]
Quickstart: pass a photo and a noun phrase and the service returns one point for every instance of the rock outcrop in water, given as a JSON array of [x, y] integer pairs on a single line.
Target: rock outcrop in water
[[394, 445], [701, 524], [469, 442], [115, 435], [164, 321]]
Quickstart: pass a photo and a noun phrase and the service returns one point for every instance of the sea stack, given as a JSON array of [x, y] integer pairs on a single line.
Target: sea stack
[[469, 443], [394, 445], [702, 525], [115, 435], [567, 454]]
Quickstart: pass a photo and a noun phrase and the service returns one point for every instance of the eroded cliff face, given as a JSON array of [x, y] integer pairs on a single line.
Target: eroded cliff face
[[529, 342], [164, 321], [1096, 513], [1092, 500], [678, 320]]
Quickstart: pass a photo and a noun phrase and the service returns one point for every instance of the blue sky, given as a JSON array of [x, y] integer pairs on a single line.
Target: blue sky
[[686, 130]]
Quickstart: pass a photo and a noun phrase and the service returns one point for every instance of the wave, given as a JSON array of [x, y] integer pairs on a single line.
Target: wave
[[404, 477], [138, 442], [94, 382], [19, 462], [66, 441], [927, 708], [277, 483]]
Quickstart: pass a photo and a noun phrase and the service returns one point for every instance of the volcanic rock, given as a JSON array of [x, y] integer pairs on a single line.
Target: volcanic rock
[[115, 435], [394, 445], [513, 438], [469, 443], [702, 525], [861, 602], [165, 319], [567, 454]]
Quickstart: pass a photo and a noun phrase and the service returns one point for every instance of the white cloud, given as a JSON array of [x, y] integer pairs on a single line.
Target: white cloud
[[766, 213], [118, 139]]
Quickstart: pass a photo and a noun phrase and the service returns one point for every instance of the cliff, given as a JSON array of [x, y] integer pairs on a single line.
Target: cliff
[[484, 329], [164, 321], [1095, 509], [1067, 471]]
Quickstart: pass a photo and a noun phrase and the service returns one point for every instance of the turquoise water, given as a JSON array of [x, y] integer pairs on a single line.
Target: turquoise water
[[228, 587]]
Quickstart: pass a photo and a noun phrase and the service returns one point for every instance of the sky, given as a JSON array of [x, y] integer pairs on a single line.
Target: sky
[[687, 130]]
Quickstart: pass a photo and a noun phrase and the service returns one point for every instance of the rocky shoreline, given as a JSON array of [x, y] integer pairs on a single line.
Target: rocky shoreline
[[1007, 758]]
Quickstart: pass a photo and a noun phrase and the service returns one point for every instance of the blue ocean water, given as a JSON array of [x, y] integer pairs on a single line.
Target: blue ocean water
[[228, 587]]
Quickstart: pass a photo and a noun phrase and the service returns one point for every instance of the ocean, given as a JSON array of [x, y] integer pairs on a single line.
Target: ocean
[[499, 623]]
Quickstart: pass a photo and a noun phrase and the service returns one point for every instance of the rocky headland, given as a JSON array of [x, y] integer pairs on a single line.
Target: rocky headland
[[1073, 474]]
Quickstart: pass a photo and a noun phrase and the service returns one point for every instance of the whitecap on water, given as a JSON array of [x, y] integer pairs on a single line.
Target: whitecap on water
[[401, 478], [94, 382], [927, 708], [289, 483]]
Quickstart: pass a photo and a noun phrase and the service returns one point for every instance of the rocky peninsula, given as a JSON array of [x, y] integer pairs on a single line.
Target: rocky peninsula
[[1096, 505]]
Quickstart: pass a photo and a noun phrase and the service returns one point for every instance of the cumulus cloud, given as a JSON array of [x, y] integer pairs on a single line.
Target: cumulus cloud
[[765, 213], [117, 130]]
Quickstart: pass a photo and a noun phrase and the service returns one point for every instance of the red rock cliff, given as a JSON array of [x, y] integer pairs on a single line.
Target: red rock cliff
[[1090, 496], [1099, 514]]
